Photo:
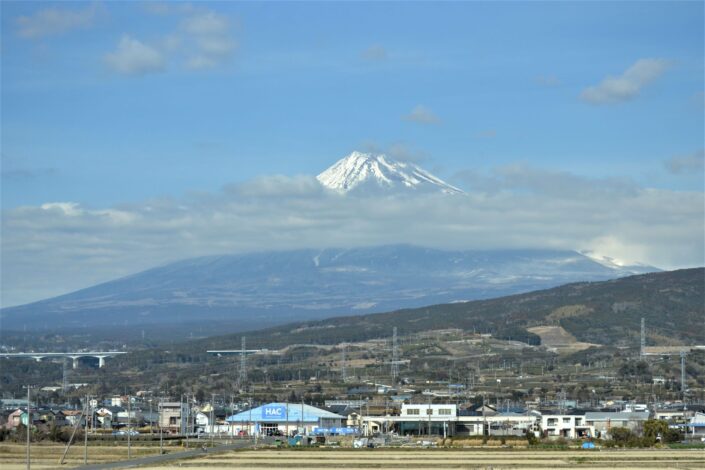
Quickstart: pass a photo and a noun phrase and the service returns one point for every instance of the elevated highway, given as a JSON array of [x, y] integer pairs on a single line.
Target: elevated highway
[[38, 356]]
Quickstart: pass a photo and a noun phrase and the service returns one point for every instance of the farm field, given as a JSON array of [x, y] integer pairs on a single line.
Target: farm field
[[415, 459], [47, 456], [12, 456]]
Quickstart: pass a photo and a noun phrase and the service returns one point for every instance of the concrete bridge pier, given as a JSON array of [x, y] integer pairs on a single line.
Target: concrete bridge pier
[[38, 358], [74, 359], [101, 361]]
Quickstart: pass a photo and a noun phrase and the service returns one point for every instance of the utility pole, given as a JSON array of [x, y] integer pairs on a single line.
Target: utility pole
[[159, 421], [29, 425], [85, 434], [129, 428], [212, 417], [642, 349], [484, 419], [428, 413], [395, 357], [188, 420], [683, 384]]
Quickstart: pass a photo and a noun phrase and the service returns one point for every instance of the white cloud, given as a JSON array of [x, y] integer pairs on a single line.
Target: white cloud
[[626, 86], [422, 115], [54, 21], [687, 164], [133, 57], [64, 246], [202, 39], [66, 208]]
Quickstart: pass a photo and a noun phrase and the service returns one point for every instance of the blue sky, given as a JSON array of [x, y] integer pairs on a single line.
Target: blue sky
[[113, 105]]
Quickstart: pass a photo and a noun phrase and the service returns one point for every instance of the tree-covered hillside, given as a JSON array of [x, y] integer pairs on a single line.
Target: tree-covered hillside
[[608, 313]]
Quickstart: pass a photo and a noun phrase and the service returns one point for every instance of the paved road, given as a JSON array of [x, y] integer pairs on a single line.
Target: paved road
[[152, 459]]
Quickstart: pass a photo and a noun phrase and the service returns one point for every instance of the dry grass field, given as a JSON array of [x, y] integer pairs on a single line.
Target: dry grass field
[[418, 459], [12, 458]]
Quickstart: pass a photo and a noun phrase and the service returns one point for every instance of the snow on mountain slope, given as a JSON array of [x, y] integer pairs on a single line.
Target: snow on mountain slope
[[359, 170], [620, 267], [250, 290]]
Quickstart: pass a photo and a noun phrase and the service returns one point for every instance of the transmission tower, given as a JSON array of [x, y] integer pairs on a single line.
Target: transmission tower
[[642, 350], [64, 376], [395, 356], [343, 370], [242, 378]]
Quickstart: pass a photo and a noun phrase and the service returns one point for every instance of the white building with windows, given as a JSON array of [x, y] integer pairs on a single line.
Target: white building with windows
[[423, 419], [415, 419], [443, 411], [568, 426]]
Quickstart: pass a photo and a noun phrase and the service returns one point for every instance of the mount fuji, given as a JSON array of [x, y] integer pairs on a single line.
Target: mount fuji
[[369, 172], [255, 290]]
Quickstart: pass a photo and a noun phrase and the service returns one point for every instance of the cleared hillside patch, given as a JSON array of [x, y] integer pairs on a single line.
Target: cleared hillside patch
[[556, 337]]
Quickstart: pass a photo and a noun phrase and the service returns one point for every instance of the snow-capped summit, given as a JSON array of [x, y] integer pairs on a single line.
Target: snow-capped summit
[[359, 170]]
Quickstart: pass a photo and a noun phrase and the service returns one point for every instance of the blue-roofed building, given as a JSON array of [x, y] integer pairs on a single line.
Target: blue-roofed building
[[284, 419]]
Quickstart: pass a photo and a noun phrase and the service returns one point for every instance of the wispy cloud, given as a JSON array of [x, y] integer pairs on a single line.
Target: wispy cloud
[[210, 35], [133, 57], [422, 115], [486, 134], [548, 80], [54, 21], [402, 151], [627, 86], [687, 164], [375, 53]]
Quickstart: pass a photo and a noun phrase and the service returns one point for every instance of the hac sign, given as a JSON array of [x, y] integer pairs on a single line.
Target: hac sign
[[274, 412]]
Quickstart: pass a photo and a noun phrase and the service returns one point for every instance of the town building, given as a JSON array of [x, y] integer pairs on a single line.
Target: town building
[[173, 417], [284, 419], [602, 422]]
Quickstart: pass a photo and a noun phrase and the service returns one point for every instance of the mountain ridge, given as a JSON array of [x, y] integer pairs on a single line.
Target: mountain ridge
[[259, 289], [611, 317]]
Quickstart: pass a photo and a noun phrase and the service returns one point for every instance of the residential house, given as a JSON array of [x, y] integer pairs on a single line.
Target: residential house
[[572, 425], [604, 421], [173, 417]]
